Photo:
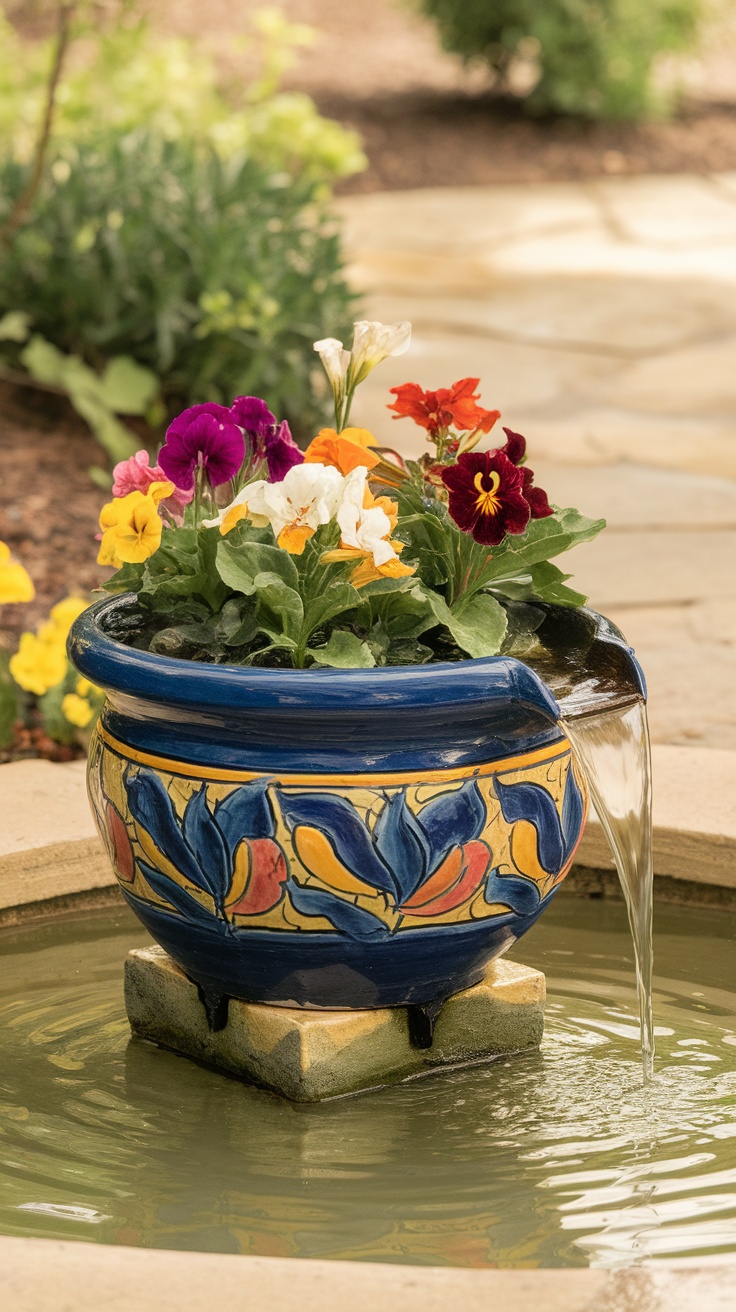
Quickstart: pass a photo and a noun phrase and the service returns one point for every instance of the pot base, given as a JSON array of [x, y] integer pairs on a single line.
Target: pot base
[[310, 1055]]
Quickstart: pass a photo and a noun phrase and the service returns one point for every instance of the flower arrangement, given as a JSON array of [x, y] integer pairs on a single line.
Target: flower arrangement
[[242, 549]]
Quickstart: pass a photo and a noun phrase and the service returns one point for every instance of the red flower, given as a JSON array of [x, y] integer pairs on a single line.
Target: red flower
[[449, 407], [515, 450], [486, 496]]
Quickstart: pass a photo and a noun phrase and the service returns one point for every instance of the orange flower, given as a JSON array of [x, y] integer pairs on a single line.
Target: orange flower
[[448, 407], [345, 451]]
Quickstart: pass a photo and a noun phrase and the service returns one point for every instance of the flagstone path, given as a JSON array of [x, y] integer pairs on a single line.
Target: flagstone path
[[601, 318]]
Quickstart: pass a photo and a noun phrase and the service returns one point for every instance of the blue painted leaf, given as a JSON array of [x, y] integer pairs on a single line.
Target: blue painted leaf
[[453, 820], [153, 809], [402, 844], [208, 846], [522, 895], [572, 813], [245, 813], [532, 802], [175, 895], [349, 836], [345, 916]]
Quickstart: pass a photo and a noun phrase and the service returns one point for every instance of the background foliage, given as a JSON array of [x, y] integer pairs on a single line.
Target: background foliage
[[186, 232], [594, 57]]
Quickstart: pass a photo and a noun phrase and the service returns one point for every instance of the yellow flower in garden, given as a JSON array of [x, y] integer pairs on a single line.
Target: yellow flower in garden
[[84, 687], [40, 661], [15, 581], [131, 526], [77, 710], [64, 613]]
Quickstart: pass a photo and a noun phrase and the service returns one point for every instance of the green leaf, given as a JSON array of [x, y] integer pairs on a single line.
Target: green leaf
[[238, 566], [481, 627], [280, 607], [343, 651], [543, 582], [15, 326], [335, 600], [543, 539], [86, 393], [128, 387], [8, 702]]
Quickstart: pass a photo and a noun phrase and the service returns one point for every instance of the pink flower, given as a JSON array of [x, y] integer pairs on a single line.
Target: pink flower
[[137, 474]]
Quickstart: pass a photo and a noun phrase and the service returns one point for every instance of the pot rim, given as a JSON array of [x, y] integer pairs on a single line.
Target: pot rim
[[172, 680]]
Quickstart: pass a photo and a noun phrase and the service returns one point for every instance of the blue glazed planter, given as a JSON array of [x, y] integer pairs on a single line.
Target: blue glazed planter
[[325, 838]]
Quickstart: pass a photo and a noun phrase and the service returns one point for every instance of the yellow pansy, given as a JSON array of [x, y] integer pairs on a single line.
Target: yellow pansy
[[77, 710], [131, 526], [40, 662], [15, 581], [64, 613], [84, 687]]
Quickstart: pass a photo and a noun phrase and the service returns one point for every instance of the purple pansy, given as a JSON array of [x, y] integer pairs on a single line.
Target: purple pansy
[[271, 441], [202, 436]]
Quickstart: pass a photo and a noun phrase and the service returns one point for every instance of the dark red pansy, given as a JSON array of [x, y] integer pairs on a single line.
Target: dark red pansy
[[486, 496], [536, 496], [515, 450], [515, 447]]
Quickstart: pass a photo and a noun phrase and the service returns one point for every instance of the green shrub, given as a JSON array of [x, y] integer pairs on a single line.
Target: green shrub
[[170, 228], [593, 57]]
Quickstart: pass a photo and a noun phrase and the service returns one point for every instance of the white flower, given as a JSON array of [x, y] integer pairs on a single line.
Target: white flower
[[306, 497], [336, 361], [373, 342], [365, 529]]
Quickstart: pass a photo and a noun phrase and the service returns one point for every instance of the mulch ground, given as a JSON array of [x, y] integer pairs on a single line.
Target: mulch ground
[[417, 139], [48, 505]]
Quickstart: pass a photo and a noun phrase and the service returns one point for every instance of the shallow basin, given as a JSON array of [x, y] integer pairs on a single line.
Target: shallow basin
[[557, 1159]]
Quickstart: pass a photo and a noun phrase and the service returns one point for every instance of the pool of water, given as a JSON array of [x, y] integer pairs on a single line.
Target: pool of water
[[561, 1158]]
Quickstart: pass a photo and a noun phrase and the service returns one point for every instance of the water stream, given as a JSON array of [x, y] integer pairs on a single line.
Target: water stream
[[612, 748]]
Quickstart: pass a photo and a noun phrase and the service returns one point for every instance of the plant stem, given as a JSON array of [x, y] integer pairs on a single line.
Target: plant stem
[[22, 205]]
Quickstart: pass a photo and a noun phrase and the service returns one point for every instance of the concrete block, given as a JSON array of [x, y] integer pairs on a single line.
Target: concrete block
[[309, 1055]]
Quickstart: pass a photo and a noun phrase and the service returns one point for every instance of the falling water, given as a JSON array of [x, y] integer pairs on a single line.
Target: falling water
[[612, 748]]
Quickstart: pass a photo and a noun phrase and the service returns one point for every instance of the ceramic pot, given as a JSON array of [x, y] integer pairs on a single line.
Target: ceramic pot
[[329, 838]]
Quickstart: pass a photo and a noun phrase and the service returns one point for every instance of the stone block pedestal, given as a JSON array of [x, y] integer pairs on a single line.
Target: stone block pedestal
[[310, 1055]]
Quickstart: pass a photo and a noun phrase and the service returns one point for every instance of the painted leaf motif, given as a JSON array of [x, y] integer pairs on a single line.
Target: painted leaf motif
[[520, 894], [245, 813], [533, 803], [207, 844], [452, 820], [175, 895], [573, 809], [403, 845], [345, 916], [153, 809], [349, 836]]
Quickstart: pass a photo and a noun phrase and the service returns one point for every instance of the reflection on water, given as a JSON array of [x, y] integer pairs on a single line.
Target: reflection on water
[[560, 1158]]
